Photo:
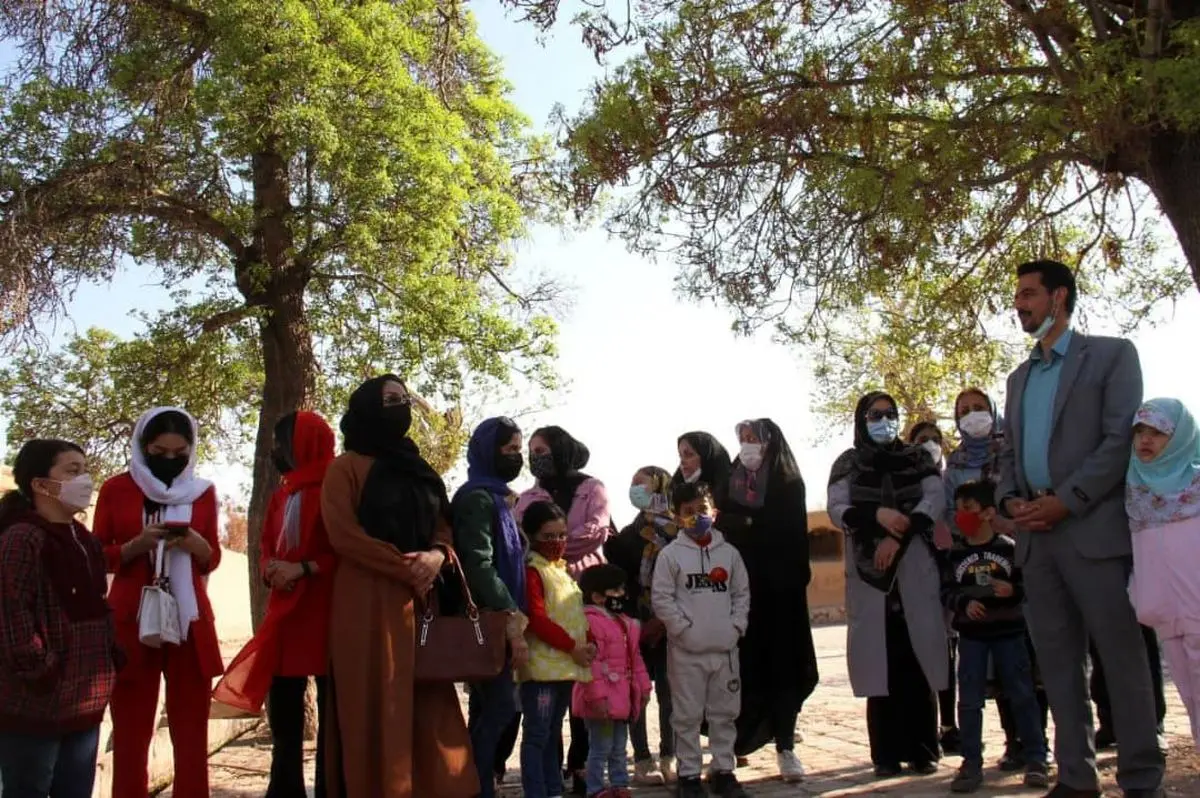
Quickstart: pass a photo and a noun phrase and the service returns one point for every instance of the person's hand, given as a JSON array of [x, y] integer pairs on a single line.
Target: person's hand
[[893, 521], [976, 611], [885, 553], [1040, 514], [652, 631], [520, 652], [283, 575], [425, 567], [1001, 588], [147, 539], [583, 655], [193, 543]]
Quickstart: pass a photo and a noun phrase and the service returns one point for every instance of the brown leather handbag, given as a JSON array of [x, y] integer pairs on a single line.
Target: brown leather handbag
[[471, 647]]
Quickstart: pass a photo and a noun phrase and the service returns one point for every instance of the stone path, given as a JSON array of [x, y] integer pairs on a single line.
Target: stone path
[[834, 750]]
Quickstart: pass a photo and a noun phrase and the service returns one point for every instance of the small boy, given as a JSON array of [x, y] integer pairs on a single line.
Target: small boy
[[983, 588], [701, 593]]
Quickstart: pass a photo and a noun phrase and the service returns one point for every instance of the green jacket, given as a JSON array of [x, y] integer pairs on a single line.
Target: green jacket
[[474, 519]]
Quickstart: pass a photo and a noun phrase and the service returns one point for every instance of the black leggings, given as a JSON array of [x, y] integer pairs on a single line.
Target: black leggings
[[285, 713]]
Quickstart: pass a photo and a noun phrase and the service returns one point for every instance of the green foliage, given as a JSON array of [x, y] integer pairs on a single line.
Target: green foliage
[[800, 160], [357, 163], [96, 387]]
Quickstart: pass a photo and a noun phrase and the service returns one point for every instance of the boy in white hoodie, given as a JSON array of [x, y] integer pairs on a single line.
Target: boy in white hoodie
[[701, 593]]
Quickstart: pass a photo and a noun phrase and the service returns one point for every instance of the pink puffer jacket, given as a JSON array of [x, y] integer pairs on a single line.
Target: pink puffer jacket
[[620, 685]]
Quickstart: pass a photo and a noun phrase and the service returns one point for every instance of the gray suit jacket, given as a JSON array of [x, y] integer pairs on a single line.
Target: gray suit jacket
[[1099, 391]]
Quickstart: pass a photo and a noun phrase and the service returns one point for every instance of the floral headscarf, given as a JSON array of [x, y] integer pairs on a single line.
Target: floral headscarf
[[1166, 489]]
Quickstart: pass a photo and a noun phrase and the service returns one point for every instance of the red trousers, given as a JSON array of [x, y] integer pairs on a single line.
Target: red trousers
[[134, 705]]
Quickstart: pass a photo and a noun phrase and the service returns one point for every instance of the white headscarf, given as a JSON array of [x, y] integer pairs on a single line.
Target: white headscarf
[[177, 503]]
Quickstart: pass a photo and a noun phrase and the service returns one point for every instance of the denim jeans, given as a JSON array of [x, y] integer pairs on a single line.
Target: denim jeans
[[666, 737], [606, 751], [543, 707], [490, 707], [36, 766], [1010, 659]]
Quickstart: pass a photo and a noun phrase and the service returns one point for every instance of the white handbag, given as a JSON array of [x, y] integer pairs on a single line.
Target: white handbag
[[158, 613]]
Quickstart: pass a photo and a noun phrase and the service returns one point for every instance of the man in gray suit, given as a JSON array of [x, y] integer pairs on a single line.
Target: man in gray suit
[[1067, 442]]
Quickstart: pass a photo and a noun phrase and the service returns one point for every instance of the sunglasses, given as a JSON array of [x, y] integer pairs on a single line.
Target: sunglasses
[[878, 415]]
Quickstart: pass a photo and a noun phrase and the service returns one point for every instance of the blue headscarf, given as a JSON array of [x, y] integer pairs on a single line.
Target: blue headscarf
[[509, 551], [1178, 465]]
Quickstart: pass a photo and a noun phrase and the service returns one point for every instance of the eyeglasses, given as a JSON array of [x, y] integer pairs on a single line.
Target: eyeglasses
[[890, 414], [392, 400]]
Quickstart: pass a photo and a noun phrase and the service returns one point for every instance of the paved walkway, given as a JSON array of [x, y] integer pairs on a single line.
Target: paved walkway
[[834, 750]]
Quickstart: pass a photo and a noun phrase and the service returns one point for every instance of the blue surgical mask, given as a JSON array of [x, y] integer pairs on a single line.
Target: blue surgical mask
[[640, 497], [1047, 324], [699, 527], [885, 430]]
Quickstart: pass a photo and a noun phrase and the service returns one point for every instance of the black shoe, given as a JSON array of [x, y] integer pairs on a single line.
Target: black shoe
[[726, 785], [968, 779], [923, 768], [1013, 759], [951, 741], [690, 787], [1063, 791], [888, 771], [1105, 739]]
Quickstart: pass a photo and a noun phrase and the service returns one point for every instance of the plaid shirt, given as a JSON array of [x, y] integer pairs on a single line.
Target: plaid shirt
[[56, 674]]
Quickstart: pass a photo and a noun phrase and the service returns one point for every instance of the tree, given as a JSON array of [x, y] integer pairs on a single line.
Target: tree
[[911, 350], [799, 159], [334, 183]]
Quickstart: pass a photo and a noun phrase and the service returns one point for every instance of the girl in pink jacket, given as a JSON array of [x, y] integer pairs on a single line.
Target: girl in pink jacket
[[1162, 498], [620, 685]]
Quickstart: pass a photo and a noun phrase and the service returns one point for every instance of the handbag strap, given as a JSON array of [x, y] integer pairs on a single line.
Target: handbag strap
[[160, 561], [431, 599]]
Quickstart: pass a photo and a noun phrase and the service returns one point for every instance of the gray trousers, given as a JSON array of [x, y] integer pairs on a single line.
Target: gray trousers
[[1072, 598], [704, 687]]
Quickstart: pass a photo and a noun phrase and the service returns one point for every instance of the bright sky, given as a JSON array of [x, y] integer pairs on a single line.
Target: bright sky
[[641, 365]]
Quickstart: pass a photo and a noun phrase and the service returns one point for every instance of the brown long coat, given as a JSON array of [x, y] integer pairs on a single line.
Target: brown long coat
[[373, 738]]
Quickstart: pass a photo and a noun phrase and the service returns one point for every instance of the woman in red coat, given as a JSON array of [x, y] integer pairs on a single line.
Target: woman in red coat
[[161, 499], [291, 645]]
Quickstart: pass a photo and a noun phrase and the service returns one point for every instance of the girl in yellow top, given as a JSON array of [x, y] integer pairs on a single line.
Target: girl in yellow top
[[559, 653]]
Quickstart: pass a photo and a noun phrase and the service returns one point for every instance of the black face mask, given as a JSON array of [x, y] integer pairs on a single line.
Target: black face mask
[[283, 463], [397, 419], [164, 468], [614, 603], [508, 466]]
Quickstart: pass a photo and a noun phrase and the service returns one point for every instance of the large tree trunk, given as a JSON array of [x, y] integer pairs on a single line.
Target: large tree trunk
[[289, 370], [1173, 173]]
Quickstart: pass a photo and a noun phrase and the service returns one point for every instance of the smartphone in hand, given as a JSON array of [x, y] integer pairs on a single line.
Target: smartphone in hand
[[175, 530]]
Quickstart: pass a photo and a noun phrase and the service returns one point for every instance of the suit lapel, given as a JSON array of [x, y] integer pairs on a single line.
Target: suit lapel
[[1076, 353]]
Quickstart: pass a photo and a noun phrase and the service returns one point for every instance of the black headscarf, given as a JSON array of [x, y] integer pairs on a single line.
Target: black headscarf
[[568, 456], [715, 464], [403, 497], [897, 458]]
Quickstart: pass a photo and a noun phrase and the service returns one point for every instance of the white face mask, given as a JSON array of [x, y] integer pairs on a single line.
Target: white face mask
[[935, 450], [976, 424], [76, 493], [1047, 325], [751, 455], [693, 478]]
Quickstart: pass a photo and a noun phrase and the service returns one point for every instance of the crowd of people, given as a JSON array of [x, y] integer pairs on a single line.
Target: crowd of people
[[1058, 533]]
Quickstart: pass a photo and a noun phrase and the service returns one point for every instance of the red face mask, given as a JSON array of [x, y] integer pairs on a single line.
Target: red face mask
[[967, 521], [551, 550]]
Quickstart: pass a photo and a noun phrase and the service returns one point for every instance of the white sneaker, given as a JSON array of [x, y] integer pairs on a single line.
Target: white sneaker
[[790, 769], [646, 773], [666, 766]]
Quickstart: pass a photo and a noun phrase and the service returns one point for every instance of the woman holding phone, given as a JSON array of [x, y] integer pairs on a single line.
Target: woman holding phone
[[160, 500]]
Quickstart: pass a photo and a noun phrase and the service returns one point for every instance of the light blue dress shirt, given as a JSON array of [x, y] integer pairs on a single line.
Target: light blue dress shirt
[[1037, 412]]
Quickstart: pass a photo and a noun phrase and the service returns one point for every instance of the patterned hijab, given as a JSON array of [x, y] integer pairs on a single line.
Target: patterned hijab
[[1165, 489]]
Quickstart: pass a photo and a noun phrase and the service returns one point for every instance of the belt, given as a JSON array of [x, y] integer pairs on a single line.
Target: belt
[[1039, 494]]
